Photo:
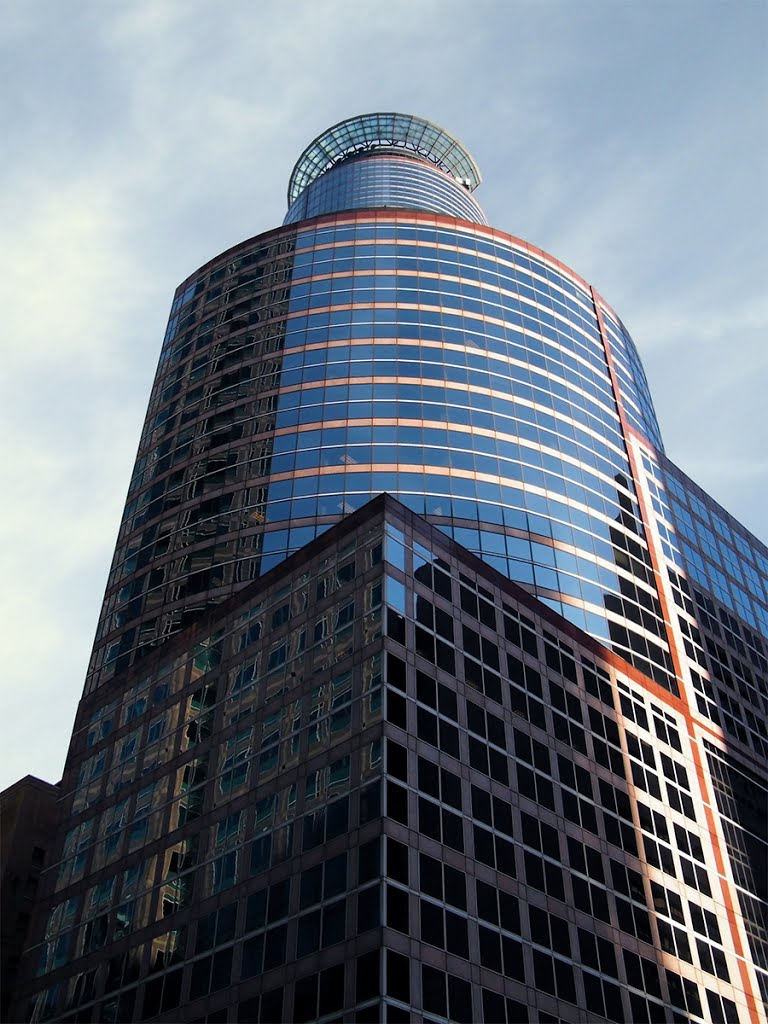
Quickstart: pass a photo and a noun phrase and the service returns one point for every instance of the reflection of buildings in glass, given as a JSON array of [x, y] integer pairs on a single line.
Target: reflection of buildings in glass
[[331, 760]]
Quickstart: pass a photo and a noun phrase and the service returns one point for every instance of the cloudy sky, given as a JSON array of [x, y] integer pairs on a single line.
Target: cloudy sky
[[142, 138]]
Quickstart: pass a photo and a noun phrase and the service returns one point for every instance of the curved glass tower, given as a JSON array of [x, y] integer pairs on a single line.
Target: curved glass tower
[[387, 340]]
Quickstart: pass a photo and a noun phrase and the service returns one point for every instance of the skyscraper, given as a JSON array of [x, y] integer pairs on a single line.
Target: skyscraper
[[492, 750], [390, 343]]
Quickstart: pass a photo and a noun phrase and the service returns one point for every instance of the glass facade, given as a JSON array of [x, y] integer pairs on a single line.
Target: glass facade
[[426, 688]]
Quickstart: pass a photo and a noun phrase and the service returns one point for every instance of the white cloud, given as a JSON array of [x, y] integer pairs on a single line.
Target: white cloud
[[67, 271]]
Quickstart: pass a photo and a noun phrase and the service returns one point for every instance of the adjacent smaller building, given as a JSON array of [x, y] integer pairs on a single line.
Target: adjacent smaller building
[[28, 819]]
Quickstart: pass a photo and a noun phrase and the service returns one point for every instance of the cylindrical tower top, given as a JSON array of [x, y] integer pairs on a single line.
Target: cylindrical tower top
[[382, 132]]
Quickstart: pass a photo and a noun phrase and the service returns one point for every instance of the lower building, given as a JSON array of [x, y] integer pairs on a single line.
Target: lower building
[[385, 783], [28, 821]]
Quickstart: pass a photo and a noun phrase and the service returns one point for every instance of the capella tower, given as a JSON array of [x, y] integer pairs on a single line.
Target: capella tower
[[491, 747]]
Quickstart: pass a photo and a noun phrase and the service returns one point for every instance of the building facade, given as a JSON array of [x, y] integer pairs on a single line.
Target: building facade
[[494, 750], [28, 812]]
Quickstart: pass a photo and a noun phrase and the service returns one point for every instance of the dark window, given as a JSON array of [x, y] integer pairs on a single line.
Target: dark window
[[222, 969], [396, 671], [433, 990], [370, 802], [368, 910], [397, 910], [369, 861], [274, 947], [305, 999], [460, 1000], [279, 895], [397, 802], [311, 886], [432, 925], [397, 861], [397, 760], [331, 989], [308, 933], [368, 985], [253, 953], [398, 976], [334, 923]]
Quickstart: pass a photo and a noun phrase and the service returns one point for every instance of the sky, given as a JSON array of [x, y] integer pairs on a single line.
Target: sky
[[141, 139]]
